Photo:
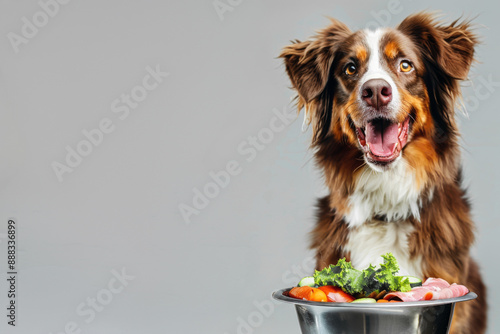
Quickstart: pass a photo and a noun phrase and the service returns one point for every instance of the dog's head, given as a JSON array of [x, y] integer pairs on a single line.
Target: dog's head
[[379, 91]]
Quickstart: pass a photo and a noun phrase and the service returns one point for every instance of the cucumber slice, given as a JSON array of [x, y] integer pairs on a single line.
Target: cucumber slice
[[307, 281], [414, 281], [364, 300]]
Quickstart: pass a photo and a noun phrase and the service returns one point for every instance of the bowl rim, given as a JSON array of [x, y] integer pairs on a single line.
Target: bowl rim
[[278, 295]]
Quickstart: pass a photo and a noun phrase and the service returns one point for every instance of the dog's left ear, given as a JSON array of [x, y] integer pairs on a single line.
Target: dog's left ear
[[308, 63], [451, 47]]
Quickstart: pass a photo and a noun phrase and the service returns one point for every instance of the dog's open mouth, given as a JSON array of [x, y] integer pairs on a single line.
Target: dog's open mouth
[[383, 140]]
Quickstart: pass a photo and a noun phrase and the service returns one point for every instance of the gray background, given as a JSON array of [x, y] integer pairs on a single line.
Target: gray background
[[119, 208]]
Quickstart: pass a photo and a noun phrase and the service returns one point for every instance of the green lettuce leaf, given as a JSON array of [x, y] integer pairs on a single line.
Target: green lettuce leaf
[[363, 282], [342, 275], [387, 272], [403, 284]]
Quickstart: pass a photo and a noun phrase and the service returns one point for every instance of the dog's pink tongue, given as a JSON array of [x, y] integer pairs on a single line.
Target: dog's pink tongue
[[382, 136]]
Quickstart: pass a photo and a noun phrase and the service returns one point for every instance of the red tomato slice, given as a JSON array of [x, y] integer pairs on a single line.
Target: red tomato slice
[[335, 294]]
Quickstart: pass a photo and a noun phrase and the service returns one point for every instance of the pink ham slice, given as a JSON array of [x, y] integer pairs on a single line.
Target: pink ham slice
[[436, 283], [416, 294], [459, 290], [432, 288], [455, 290]]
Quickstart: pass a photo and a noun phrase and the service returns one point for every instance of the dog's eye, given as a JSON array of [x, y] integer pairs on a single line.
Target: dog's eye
[[405, 66], [350, 69]]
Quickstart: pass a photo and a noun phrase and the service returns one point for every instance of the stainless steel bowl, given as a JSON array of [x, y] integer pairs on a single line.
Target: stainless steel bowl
[[425, 317]]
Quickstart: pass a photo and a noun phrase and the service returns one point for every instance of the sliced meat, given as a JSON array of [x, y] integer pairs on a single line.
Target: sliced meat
[[455, 290], [436, 283], [416, 294], [459, 290], [443, 294], [432, 288]]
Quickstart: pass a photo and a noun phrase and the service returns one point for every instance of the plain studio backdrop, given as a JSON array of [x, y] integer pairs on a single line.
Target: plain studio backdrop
[[156, 170]]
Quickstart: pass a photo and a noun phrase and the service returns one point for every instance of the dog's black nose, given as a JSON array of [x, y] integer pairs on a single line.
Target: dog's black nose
[[376, 93]]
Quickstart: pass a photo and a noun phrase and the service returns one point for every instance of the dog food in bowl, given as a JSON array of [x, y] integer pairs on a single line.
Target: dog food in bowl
[[342, 299]]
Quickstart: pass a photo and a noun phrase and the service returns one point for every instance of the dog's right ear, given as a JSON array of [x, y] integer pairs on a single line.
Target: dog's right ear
[[308, 63]]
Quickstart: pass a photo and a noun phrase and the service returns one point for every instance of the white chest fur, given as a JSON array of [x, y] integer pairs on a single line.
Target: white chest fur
[[394, 195], [368, 242]]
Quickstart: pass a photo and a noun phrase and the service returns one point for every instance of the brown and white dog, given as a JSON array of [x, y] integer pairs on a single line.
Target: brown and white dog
[[382, 106]]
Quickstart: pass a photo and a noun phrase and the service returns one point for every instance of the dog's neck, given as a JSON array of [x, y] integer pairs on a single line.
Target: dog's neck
[[393, 195]]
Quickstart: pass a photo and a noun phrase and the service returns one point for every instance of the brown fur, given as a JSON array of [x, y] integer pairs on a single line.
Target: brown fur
[[361, 53], [391, 50], [442, 55]]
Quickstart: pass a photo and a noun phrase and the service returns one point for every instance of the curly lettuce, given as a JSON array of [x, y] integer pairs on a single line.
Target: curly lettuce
[[364, 282]]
